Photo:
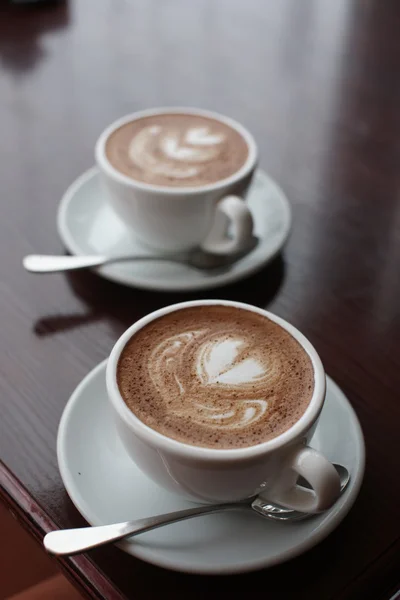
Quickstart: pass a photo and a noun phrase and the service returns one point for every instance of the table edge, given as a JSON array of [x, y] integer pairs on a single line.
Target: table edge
[[80, 570]]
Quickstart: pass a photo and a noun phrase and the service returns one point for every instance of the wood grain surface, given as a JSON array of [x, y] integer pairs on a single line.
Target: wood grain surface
[[317, 82]]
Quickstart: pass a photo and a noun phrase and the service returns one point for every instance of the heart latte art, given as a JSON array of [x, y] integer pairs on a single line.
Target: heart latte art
[[176, 149], [215, 376]]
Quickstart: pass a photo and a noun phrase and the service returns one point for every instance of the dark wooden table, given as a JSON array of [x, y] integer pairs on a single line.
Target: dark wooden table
[[318, 82]]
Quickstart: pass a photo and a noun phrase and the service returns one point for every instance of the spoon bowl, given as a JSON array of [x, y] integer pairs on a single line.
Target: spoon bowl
[[280, 513]]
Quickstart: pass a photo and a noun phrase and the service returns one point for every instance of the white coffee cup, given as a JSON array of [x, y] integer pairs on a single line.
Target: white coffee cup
[[171, 219], [224, 475]]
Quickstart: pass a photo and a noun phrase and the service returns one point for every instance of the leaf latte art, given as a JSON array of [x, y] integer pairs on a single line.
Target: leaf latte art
[[169, 152], [215, 376], [176, 149]]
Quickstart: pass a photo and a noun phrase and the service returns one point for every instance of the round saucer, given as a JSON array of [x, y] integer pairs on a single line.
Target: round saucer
[[107, 487], [88, 225]]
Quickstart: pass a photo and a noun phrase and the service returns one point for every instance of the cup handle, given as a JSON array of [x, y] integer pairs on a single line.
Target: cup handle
[[231, 214], [320, 474]]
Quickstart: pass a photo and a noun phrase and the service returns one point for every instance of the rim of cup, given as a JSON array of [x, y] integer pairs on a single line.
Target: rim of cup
[[182, 449], [245, 169]]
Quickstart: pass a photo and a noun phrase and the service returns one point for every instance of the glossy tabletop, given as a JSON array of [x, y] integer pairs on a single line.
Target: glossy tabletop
[[317, 82]]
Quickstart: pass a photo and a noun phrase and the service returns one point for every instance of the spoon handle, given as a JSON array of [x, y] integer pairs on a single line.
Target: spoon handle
[[43, 263], [74, 541], [46, 263]]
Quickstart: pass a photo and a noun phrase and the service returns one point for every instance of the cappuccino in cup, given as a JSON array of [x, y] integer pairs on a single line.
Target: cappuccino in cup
[[178, 178], [216, 376], [217, 401], [176, 150]]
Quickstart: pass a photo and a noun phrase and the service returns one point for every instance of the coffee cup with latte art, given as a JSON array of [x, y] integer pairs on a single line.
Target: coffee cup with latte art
[[178, 177], [217, 401]]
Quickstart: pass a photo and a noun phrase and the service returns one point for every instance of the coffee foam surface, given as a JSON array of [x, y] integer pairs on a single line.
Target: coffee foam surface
[[174, 149], [216, 376]]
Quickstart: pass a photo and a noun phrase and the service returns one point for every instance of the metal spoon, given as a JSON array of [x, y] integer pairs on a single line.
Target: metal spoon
[[74, 541], [198, 259]]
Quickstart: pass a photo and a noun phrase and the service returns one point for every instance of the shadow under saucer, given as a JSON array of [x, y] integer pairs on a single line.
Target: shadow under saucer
[[123, 305]]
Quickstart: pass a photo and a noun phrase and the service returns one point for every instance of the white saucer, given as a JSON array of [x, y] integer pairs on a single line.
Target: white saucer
[[106, 487], [87, 225]]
